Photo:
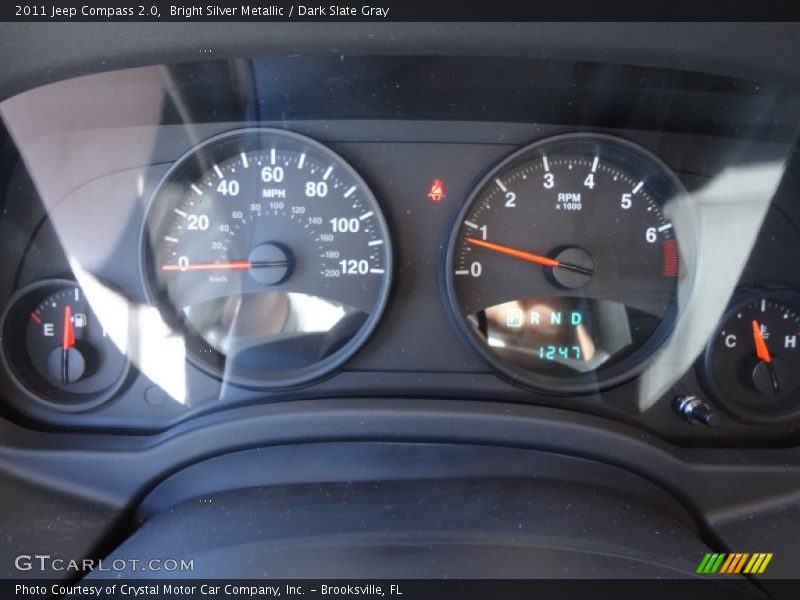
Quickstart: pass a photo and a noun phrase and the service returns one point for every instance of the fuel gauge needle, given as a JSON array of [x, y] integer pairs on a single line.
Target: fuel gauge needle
[[67, 342], [762, 351]]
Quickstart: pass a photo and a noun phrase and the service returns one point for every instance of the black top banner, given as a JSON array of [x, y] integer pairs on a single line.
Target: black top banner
[[395, 10]]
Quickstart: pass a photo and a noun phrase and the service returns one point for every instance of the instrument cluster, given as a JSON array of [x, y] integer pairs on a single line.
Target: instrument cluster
[[641, 267]]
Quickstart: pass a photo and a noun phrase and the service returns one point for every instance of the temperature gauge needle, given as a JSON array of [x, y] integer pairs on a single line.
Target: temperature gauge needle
[[530, 256], [762, 351], [761, 346], [67, 342]]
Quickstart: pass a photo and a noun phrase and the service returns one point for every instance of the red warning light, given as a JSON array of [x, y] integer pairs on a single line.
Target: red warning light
[[437, 191]]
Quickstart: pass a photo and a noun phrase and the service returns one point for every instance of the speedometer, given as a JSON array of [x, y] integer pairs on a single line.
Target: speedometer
[[270, 254], [562, 269]]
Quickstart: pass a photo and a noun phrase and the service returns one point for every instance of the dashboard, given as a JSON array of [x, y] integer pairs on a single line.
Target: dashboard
[[435, 262], [610, 239]]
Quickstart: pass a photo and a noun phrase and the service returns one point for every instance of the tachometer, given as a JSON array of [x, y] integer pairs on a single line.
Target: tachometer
[[271, 255], [562, 268]]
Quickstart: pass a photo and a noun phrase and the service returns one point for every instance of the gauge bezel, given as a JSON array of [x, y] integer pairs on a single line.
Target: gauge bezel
[[624, 153], [186, 169], [69, 403], [743, 412]]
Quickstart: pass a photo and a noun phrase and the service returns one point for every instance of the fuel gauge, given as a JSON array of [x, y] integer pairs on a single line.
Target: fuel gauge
[[752, 364], [58, 350]]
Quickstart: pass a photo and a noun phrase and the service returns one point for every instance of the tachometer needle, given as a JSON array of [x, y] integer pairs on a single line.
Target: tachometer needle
[[762, 351], [529, 256], [67, 342], [237, 265]]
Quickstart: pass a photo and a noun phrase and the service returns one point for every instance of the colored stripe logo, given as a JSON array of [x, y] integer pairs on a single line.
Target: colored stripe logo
[[733, 563]]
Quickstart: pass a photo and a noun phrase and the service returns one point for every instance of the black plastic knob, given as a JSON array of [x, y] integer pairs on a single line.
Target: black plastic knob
[[694, 410]]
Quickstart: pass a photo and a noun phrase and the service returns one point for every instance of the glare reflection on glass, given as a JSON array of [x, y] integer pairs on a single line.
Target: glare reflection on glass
[[139, 330]]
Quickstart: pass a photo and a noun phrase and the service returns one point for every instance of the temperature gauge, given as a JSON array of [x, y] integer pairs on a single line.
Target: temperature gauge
[[58, 350], [752, 364]]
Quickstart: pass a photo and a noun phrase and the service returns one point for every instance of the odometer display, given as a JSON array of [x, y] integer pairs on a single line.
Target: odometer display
[[270, 254], [563, 268]]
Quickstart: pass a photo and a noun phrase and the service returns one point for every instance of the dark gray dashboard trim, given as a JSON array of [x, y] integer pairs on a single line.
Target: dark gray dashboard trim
[[120, 470], [38, 53], [737, 496]]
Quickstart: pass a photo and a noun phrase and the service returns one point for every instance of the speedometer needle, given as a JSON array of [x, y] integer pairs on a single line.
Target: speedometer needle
[[237, 265], [530, 256]]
